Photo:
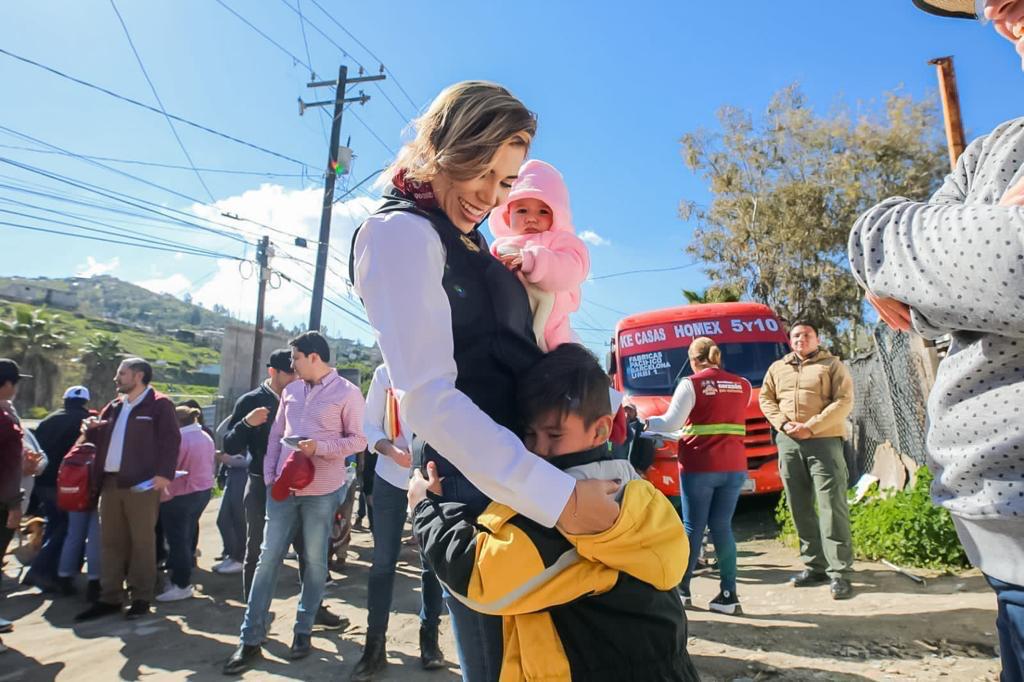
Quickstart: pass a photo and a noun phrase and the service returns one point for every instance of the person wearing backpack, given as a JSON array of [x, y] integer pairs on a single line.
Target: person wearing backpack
[[56, 434], [75, 497]]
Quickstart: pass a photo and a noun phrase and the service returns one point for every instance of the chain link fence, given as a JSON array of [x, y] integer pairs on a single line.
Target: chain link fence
[[890, 394]]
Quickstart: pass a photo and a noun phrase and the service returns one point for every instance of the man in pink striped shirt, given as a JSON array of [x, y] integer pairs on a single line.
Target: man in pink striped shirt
[[326, 412]]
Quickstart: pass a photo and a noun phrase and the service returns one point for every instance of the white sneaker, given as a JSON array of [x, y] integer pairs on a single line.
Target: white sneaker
[[228, 567], [175, 593], [6, 625]]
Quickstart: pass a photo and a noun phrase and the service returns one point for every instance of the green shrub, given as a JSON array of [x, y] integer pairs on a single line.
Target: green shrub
[[37, 412], [905, 528]]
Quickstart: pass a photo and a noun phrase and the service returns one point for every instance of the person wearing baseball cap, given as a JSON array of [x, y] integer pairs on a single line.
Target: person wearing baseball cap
[[953, 265], [56, 434]]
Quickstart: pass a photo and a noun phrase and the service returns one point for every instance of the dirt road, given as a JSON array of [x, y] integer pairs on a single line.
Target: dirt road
[[892, 629]]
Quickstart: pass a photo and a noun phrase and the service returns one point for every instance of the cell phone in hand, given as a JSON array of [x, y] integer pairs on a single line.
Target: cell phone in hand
[[292, 441]]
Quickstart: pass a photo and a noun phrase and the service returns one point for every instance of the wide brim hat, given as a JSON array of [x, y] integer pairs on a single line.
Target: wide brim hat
[[959, 9]]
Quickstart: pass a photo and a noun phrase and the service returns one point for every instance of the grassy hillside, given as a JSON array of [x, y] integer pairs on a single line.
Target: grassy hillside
[[174, 361]]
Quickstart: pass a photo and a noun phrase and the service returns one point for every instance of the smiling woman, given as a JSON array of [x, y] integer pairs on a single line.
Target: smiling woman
[[456, 330]]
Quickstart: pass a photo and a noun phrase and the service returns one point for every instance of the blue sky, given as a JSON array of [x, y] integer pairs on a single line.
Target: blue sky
[[615, 86]]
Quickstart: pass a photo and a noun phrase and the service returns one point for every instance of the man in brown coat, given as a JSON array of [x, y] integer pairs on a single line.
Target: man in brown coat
[[807, 396], [137, 440]]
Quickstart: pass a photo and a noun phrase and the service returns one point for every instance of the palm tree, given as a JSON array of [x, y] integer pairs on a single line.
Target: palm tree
[[719, 294], [32, 340], [101, 356]]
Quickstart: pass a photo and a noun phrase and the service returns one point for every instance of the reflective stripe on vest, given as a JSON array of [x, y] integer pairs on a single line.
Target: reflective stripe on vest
[[715, 430]]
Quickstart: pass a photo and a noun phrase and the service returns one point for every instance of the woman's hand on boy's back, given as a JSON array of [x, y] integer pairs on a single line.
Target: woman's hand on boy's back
[[591, 508]]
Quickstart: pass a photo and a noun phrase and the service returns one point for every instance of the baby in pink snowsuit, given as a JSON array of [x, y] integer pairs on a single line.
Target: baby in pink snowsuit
[[534, 236]]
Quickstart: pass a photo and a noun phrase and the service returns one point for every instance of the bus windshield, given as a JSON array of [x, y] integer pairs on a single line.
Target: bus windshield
[[658, 372]]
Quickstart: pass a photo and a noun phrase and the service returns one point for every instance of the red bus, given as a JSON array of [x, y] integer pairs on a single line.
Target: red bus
[[649, 357]]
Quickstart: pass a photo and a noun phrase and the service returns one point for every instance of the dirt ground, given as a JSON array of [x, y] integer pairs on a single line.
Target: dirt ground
[[892, 629]]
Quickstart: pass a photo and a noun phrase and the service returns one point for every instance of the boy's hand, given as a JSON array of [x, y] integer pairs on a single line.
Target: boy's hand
[[30, 462], [1014, 196], [894, 313], [419, 486], [257, 417], [591, 508]]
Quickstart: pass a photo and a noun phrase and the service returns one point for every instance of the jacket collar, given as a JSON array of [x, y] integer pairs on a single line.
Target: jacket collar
[[191, 427], [817, 356], [598, 453], [135, 403]]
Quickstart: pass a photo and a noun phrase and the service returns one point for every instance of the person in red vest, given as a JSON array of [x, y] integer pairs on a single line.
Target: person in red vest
[[710, 407]]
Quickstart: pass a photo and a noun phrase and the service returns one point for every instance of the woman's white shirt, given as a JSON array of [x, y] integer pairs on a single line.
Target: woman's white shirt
[[399, 263], [683, 400], [373, 426]]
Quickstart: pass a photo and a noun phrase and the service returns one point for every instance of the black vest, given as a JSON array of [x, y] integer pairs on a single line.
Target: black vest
[[492, 327]]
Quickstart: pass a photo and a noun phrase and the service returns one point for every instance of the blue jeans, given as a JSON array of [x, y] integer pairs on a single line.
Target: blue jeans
[[709, 500], [1010, 623], [45, 565], [180, 517], [83, 534], [231, 517], [389, 510], [315, 514]]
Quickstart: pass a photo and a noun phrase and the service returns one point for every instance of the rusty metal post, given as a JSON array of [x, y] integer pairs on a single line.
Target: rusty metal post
[[950, 108]]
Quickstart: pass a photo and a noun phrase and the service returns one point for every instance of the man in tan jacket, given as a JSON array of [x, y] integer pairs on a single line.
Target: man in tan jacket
[[807, 396]]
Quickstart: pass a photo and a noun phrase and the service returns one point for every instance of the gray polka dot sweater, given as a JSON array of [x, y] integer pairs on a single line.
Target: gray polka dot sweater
[[958, 262]]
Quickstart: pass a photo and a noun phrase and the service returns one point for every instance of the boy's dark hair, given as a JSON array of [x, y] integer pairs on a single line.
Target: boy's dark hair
[[803, 323], [140, 365], [312, 342], [568, 379]]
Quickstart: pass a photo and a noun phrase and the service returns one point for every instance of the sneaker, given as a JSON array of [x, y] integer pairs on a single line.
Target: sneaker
[[808, 578], [175, 593], [685, 596], [329, 621], [229, 567], [841, 588], [726, 602], [138, 609], [6, 625]]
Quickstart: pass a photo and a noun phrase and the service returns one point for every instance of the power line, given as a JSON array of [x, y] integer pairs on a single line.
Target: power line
[[143, 105], [108, 241], [155, 164], [368, 51], [158, 186], [156, 96], [185, 248], [345, 53], [373, 133], [112, 194], [606, 307], [297, 60], [637, 272]]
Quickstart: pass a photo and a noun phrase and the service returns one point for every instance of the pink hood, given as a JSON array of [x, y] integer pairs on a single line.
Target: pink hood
[[537, 180]]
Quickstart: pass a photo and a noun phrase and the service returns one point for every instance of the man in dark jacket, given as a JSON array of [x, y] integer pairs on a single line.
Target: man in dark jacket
[[56, 434], [137, 441], [248, 431]]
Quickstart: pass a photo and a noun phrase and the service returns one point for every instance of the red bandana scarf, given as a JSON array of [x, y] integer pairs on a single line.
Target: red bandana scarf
[[421, 193]]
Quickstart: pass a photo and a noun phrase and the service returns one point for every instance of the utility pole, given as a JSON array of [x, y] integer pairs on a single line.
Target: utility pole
[[950, 108], [316, 305], [263, 254]]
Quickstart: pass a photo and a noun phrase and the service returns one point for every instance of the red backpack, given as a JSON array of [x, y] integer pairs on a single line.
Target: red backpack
[[74, 490]]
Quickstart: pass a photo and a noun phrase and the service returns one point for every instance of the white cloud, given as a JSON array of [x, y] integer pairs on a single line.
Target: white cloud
[[175, 285], [93, 268], [593, 238], [296, 212]]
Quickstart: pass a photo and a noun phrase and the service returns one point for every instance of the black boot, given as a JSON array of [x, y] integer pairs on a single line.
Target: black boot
[[92, 591], [431, 656], [66, 585], [374, 659]]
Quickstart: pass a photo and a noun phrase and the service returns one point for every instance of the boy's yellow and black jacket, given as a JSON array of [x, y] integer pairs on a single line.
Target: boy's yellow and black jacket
[[588, 607]]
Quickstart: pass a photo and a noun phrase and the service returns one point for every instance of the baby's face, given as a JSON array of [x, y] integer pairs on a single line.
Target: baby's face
[[529, 216]]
